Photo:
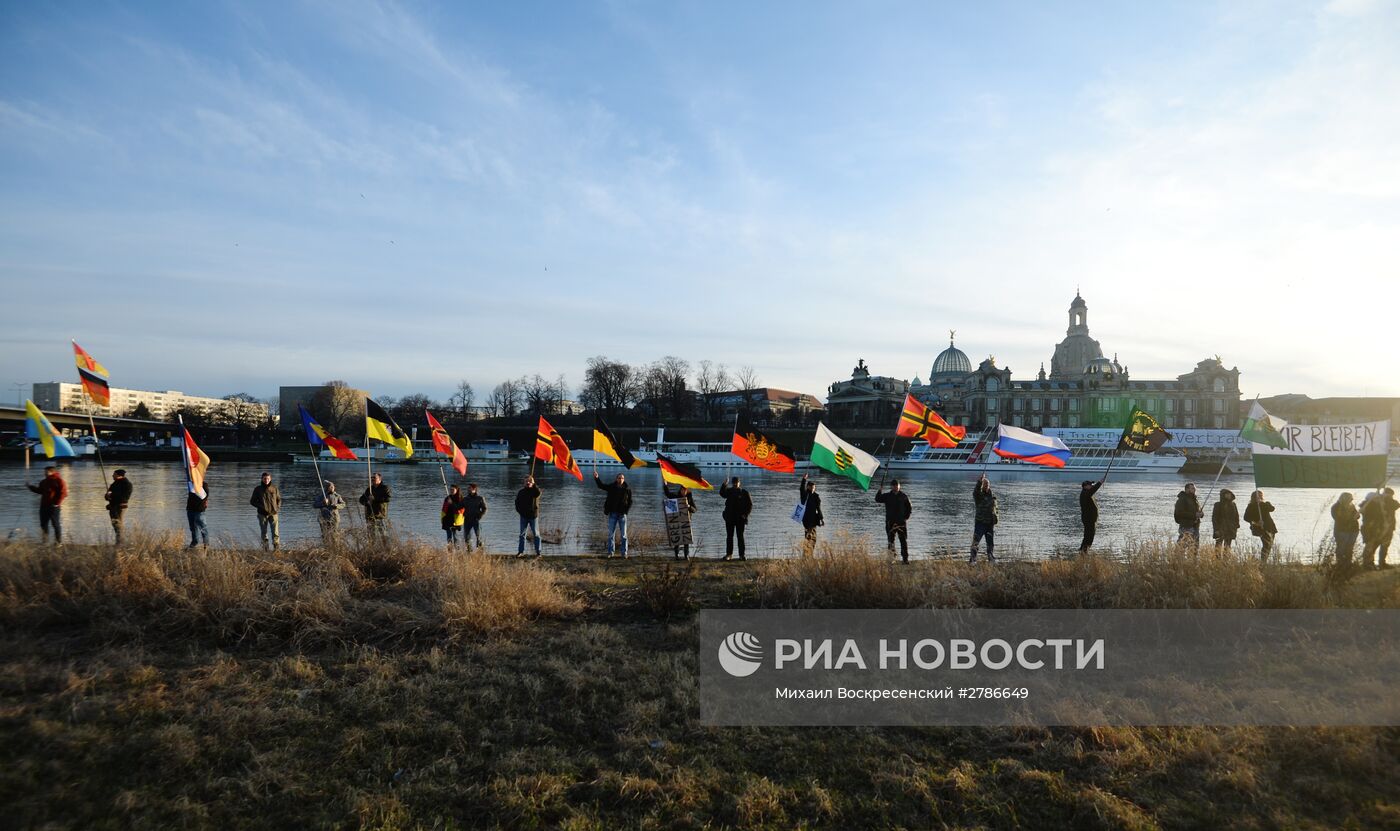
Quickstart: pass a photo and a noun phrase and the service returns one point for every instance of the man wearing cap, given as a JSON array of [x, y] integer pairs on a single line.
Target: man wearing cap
[[897, 512]]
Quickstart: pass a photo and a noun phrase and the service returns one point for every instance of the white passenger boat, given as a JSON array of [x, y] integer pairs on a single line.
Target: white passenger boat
[[1092, 451]]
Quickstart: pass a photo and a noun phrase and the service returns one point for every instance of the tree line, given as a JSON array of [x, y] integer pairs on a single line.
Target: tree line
[[668, 387]]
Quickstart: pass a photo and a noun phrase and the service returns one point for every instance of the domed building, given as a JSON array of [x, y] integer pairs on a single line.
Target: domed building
[[1083, 388], [950, 362]]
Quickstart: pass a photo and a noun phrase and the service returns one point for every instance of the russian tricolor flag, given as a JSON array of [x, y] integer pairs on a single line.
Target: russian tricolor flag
[[1015, 443]]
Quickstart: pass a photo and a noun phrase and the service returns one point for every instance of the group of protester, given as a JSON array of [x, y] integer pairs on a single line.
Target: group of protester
[[1373, 522]]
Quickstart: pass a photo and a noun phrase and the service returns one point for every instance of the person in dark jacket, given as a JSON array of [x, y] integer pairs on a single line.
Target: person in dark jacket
[[52, 491], [268, 502], [1225, 520], [985, 518], [898, 509], [476, 510], [118, 496], [376, 499], [686, 502], [738, 504], [1188, 515], [527, 505], [1372, 523], [811, 515], [195, 506], [615, 506], [328, 506], [1259, 515], [1388, 506], [1345, 525], [454, 514], [1089, 511]]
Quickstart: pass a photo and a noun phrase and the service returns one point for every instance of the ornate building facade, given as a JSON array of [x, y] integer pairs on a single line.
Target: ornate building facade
[[1082, 389]]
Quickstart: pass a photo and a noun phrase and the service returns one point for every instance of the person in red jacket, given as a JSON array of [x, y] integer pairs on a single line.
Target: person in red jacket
[[52, 491]]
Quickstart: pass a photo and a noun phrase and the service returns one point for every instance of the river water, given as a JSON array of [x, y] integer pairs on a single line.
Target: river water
[[1039, 515]]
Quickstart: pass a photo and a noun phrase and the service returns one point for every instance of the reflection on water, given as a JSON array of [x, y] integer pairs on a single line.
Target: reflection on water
[[1038, 515]]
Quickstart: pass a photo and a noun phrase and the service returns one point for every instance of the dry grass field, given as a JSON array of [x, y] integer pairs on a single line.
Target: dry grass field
[[402, 686]]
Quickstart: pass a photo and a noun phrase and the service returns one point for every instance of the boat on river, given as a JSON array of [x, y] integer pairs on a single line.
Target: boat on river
[[1093, 451]]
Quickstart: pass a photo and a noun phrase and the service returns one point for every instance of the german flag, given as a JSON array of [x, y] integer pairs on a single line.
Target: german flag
[[919, 422], [680, 473], [93, 376], [378, 425], [759, 450], [606, 443], [96, 387], [550, 447]]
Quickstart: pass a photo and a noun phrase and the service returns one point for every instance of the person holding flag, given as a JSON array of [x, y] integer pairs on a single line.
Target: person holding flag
[[527, 505], [454, 511], [118, 496], [615, 507], [1259, 516], [985, 518], [52, 490], [738, 504], [375, 499], [328, 507], [898, 509], [1089, 510], [812, 517], [197, 501]]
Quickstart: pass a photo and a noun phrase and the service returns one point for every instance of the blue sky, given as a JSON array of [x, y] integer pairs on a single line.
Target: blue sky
[[221, 198]]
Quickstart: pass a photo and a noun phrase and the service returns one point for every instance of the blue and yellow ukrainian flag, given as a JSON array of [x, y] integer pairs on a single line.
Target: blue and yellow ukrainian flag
[[37, 427]]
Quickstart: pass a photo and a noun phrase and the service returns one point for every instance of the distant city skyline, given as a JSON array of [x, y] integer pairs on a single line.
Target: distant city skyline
[[234, 197]]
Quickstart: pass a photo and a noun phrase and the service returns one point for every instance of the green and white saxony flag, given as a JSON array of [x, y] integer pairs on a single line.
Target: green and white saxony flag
[[842, 458], [1325, 456], [1262, 428]]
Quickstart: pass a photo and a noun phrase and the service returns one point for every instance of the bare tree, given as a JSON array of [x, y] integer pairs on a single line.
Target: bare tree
[[504, 400], [241, 411], [610, 386], [463, 399], [340, 409], [712, 379], [665, 387], [408, 411], [746, 380], [541, 396]]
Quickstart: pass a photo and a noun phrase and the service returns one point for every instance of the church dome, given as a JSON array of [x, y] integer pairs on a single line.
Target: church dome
[[1078, 303], [951, 361], [1101, 366]]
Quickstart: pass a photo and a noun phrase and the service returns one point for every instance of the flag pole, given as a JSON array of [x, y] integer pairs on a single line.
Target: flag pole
[[986, 453], [317, 465], [96, 440], [185, 451]]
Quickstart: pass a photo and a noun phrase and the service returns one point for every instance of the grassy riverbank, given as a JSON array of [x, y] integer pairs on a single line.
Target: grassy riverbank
[[405, 688]]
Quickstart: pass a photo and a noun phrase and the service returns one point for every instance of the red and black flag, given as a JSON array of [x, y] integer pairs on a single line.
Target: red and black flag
[[680, 473], [550, 447], [606, 443], [759, 450], [917, 421], [93, 376]]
